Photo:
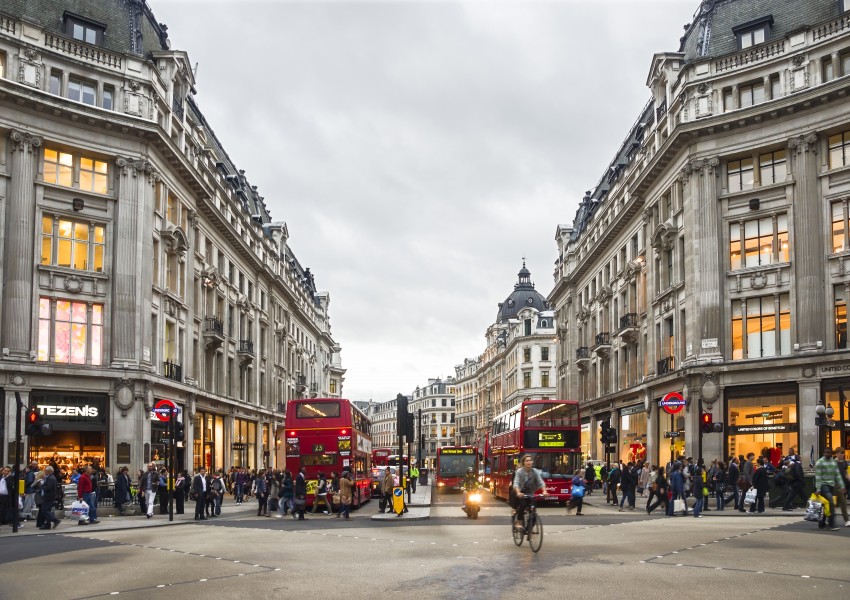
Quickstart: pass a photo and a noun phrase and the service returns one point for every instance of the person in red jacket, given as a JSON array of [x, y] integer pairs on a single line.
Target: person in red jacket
[[85, 492]]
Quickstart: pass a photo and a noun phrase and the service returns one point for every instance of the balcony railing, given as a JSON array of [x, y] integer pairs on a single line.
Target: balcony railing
[[83, 51], [177, 106], [213, 325], [314, 387], [246, 347], [603, 339], [301, 380], [172, 371], [628, 321], [583, 352], [665, 365]]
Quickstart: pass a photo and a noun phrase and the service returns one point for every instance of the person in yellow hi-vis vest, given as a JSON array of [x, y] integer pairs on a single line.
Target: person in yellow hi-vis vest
[[414, 476]]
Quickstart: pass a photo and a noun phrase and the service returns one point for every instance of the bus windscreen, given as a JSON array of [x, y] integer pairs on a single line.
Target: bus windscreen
[[455, 465]]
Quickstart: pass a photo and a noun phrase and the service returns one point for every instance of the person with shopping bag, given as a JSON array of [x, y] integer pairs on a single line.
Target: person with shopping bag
[[86, 493]]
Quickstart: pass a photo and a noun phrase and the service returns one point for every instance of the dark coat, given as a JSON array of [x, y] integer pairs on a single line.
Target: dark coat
[[50, 490], [122, 488], [300, 486], [760, 480]]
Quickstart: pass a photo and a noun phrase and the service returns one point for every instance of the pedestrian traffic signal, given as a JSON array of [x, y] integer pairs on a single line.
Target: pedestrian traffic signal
[[179, 431], [36, 425], [612, 435], [707, 425], [401, 414], [605, 427]]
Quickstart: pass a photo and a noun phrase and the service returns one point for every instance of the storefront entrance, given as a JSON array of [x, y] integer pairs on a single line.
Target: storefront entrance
[[632, 440], [762, 421], [79, 431]]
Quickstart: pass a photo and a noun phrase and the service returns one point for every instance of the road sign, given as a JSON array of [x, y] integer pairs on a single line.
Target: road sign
[[162, 410], [398, 500], [672, 434], [672, 403]]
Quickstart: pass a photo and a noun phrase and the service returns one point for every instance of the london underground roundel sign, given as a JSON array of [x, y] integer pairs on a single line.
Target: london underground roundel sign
[[672, 403], [162, 410]]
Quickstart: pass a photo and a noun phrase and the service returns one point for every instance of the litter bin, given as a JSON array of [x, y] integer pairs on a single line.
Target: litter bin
[[423, 476]]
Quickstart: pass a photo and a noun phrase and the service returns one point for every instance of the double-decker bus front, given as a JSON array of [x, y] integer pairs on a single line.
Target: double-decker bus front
[[451, 466], [549, 430], [327, 435]]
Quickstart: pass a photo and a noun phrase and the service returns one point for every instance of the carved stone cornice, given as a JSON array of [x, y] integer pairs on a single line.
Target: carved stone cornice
[[24, 142], [804, 143], [133, 166]]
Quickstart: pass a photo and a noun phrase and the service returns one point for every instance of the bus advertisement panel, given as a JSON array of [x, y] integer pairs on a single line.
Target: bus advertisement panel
[[329, 435], [451, 466], [549, 430]]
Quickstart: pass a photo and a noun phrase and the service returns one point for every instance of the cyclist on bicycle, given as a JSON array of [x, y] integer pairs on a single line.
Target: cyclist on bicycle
[[527, 480]]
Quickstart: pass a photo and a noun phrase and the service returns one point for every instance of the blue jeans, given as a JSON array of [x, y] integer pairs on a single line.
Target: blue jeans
[[826, 492], [91, 500], [240, 492], [698, 505]]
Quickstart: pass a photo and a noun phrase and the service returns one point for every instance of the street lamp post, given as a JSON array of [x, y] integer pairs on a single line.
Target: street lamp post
[[823, 420]]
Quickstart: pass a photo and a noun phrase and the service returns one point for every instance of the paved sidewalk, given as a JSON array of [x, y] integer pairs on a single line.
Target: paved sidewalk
[[111, 523], [418, 509], [596, 502]]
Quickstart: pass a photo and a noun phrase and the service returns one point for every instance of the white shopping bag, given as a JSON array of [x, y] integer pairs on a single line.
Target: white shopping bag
[[80, 510]]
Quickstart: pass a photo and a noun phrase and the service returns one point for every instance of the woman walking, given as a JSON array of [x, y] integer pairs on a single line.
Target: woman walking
[[346, 494], [658, 492]]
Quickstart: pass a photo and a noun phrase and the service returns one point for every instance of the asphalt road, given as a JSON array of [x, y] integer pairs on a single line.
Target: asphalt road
[[447, 556]]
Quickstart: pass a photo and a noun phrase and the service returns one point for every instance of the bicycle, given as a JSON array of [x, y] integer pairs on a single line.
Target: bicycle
[[532, 529]]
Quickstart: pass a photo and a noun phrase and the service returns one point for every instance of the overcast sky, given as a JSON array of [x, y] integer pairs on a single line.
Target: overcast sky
[[418, 151]]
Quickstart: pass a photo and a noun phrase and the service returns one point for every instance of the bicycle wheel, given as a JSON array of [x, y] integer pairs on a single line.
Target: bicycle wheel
[[535, 533], [517, 533]]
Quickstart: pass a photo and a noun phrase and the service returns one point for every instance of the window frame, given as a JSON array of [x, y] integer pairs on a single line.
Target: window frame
[[55, 240], [71, 21], [740, 171], [84, 84], [745, 33], [843, 143], [92, 330], [77, 159]]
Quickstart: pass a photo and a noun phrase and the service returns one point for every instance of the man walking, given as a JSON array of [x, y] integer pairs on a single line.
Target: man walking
[[828, 481], [50, 492], [199, 493], [841, 496], [747, 470], [148, 485], [86, 493], [387, 490], [414, 476], [29, 492]]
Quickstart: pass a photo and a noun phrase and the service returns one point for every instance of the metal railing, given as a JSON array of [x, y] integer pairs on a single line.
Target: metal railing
[[661, 110], [177, 107], [246, 347], [603, 339], [213, 325], [628, 321], [583, 352], [173, 371], [666, 365]]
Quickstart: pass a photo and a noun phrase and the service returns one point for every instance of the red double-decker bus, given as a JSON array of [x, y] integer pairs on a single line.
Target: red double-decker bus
[[326, 435], [452, 463], [380, 456], [549, 430]]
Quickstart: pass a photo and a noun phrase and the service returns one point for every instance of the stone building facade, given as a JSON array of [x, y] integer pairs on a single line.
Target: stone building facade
[[710, 260], [140, 268]]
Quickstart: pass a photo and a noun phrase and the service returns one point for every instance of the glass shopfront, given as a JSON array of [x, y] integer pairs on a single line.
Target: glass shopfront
[[763, 421], [839, 434], [671, 435], [208, 442], [632, 436], [243, 449], [586, 441], [79, 431]]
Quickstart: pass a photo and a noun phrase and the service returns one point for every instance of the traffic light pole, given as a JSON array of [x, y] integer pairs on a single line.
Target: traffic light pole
[[19, 405], [172, 455], [699, 438]]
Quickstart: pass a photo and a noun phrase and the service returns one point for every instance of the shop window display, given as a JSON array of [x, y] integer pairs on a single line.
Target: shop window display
[[632, 440], [765, 425]]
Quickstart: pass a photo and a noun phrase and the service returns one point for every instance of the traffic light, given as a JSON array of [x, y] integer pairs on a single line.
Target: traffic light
[[706, 420], [36, 425], [401, 414], [410, 431], [179, 431], [605, 428], [612, 435]]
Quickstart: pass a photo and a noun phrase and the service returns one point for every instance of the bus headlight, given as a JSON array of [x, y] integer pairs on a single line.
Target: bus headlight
[[441, 484]]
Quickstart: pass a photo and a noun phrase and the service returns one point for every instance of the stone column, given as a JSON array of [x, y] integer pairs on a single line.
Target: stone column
[[700, 179], [127, 284], [18, 254], [807, 257]]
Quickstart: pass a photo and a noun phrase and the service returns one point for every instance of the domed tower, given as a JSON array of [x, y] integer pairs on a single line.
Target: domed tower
[[524, 295]]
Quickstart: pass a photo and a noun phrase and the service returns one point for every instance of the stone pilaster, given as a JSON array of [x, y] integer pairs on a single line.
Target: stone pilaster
[[18, 253], [130, 256], [700, 179], [808, 244]]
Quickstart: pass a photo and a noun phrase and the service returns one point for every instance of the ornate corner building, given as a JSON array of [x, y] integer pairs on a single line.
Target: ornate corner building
[[711, 258], [140, 268]]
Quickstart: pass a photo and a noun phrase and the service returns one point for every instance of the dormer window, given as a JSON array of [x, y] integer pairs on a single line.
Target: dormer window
[[84, 30], [753, 33]]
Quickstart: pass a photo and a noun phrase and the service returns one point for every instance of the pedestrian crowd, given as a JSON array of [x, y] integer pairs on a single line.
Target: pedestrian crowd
[[742, 483]]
